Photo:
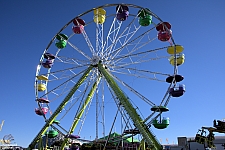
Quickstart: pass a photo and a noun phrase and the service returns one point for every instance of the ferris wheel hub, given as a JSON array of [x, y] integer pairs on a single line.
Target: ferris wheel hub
[[95, 60]]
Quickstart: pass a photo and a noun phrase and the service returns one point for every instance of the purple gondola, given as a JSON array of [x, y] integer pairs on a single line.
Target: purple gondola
[[122, 12], [178, 78], [47, 64], [122, 16], [71, 136], [177, 91], [121, 8], [49, 56]]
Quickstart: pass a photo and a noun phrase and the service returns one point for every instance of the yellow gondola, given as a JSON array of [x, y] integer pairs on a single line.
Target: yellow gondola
[[99, 19], [180, 59], [179, 49], [42, 77], [99, 11], [99, 15], [41, 87]]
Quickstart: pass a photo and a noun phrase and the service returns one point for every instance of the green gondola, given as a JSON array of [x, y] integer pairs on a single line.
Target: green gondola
[[51, 133], [62, 40], [161, 124]]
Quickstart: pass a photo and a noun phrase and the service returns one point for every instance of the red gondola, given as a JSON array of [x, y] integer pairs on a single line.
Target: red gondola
[[164, 35], [78, 29], [162, 26]]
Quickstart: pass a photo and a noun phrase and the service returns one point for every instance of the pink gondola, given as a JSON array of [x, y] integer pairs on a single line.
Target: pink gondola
[[43, 111], [78, 29], [78, 22]]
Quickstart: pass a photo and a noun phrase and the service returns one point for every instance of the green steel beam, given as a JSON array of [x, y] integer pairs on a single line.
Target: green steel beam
[[142, 145], [124, 100], [80, 113], [59, 108]]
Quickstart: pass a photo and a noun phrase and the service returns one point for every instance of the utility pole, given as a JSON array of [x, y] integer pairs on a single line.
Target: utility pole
[[2, 125]]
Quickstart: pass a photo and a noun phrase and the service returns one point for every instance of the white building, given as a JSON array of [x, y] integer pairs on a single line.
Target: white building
[[188, 143]]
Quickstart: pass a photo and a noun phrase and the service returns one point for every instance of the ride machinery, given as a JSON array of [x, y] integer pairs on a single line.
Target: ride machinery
[[7, 139], [203, 137], [89, 68]]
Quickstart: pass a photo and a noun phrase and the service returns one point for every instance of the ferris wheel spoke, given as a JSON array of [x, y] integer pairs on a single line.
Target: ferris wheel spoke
[[80, 108], [84, 118], [63, 74], [150, 116], [154, 118], [55, 95], [138, 75], [102, 97], [53, 116], [116, 38], [69, 80], [127, 42], [167, 96], [126, 118], [140, 37], [135, 48], [62, 70], [64, 90], [72, 61], [71, 106], [54, 127], [111, 37], [140, 55], [140, 70], [140, 62], [89, 43], [117, 51], [126, 33], [88, 105], [99, 39], [78, 50], [136, 58], [134, 91], [83, 107]]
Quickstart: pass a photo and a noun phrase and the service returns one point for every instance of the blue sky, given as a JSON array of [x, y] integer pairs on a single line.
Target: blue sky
[[28, 26]]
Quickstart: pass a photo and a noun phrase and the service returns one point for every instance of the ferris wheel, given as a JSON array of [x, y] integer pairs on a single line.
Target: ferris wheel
[[111, 68]]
